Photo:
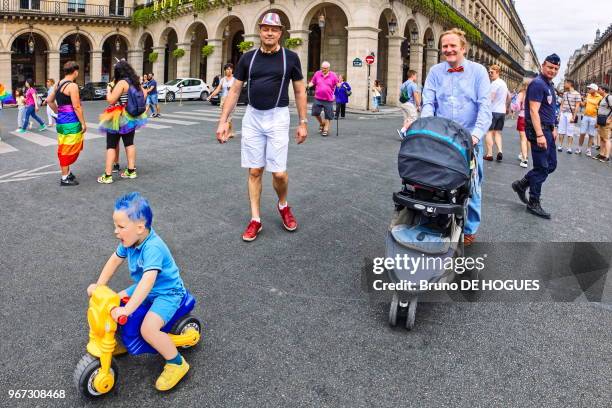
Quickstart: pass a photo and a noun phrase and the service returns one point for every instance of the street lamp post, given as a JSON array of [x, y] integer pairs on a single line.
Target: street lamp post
[[321, 22], [392, 23], [392, 26], [31, 42], [226, 34], [77, 41]]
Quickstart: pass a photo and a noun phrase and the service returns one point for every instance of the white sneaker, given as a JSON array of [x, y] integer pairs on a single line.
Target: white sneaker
[[560, 148], [569, 150], [588, 152], [578, 151], [524, 164]]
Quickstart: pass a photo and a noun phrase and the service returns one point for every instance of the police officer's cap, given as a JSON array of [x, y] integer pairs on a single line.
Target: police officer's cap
[[553, 59]]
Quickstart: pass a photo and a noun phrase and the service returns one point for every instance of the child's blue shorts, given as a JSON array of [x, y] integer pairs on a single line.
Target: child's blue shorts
[[165, 306]]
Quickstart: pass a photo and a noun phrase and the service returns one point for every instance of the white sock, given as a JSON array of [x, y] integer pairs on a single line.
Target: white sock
[[282, 206], [257, 219], [65, 177]]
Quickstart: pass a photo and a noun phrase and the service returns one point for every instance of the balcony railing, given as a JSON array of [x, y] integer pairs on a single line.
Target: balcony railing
[[75, 8]]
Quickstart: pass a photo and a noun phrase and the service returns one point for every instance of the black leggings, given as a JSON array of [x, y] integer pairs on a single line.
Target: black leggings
[[112, 139], [340, 109]]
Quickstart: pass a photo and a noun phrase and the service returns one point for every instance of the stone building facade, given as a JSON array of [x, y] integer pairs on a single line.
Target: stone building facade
[[531, 63], [38, 35], [592, 63]]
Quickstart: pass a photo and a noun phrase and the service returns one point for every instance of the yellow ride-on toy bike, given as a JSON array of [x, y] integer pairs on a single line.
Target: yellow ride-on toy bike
[[96, 373]]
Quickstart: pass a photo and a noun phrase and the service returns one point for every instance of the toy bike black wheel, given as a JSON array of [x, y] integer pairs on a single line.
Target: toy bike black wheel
[[411, 314], [393, 310], [186, 323], [85, 373]]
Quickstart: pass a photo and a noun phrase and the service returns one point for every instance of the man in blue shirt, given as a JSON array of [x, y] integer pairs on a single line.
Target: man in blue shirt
[[540, 120], [459, 89], [152, 96]]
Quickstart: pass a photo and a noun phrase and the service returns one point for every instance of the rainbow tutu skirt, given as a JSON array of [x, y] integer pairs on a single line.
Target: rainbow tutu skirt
[[116, 119]]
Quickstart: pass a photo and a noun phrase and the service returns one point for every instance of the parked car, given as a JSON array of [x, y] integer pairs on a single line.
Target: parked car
[[93, 90], [243, 99], [192, 88]]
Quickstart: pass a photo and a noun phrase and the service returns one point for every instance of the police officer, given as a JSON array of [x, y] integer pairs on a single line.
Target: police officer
[[540, 131]]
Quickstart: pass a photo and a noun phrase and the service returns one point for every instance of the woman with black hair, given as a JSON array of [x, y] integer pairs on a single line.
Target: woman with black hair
[[31, 108], [118, 123], [223, 87]]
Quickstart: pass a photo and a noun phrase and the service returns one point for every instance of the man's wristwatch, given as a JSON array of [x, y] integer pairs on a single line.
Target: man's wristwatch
[[304, 121]]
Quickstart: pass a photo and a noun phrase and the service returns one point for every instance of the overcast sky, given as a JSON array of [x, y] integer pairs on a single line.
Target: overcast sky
[[561, 26]]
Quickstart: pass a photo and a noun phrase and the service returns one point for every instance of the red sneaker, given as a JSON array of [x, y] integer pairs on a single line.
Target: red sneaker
[[289, 221], [468, 239], [251, 231]]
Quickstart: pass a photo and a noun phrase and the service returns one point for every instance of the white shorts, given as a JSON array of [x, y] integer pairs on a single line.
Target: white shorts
[[587, 125], [565, 125], [265, 139], [410, 111]]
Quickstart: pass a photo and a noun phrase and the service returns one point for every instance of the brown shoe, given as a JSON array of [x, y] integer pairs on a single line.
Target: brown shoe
[[488, 158], [468, 239]]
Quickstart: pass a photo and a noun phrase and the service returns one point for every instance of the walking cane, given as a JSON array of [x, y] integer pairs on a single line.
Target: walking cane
[[337, 124]]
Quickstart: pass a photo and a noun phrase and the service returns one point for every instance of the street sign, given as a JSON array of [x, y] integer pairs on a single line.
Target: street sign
[[369, 59], [357, 63]]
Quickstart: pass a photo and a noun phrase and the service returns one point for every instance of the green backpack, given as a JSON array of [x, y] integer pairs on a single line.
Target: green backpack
[[404, 95]]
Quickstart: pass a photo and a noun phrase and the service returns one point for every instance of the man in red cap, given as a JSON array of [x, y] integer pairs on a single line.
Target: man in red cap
[[265, 125]]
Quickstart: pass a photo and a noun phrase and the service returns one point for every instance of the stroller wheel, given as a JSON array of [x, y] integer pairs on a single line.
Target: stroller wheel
[[393, 309], [411, 314]]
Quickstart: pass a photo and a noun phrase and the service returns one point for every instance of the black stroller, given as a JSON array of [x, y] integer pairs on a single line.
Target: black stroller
[[436, 165]]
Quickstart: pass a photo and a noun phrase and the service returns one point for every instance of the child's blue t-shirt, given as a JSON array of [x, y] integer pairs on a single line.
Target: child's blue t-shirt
[[153, 254]]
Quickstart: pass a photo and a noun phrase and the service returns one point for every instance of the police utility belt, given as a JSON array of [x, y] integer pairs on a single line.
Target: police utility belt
[[544, 127], [531, 133]]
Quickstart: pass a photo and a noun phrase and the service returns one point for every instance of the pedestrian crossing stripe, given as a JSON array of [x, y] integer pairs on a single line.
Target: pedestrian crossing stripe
[[217, 113], [204, 114], [154, 126], [191, 117], [6, 148], [174, 121], [35, 138]]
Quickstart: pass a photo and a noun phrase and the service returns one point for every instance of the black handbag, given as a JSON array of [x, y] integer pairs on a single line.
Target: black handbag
[[602, 120]]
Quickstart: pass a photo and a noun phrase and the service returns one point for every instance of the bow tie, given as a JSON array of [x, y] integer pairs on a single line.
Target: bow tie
[[458, 69]]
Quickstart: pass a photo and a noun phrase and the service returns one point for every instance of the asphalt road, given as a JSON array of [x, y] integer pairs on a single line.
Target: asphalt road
[[288, 321]]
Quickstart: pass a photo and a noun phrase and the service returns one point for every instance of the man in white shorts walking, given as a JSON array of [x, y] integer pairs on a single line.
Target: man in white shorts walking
[[570, 106], [265, 125]]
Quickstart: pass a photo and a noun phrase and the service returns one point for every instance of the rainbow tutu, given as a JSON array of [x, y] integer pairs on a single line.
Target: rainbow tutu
[[69, 135], [116, 119]]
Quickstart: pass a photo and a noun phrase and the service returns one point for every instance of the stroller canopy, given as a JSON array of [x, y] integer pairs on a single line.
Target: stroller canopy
[[436, 152]]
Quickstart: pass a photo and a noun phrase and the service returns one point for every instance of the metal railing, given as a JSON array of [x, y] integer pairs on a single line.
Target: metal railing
[[75, 8]]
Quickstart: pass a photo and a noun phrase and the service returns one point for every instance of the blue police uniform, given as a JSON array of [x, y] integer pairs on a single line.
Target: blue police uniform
[[544, 160]]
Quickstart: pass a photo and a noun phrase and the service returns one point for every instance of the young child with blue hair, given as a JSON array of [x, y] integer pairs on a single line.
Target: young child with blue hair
[[156, 280]]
